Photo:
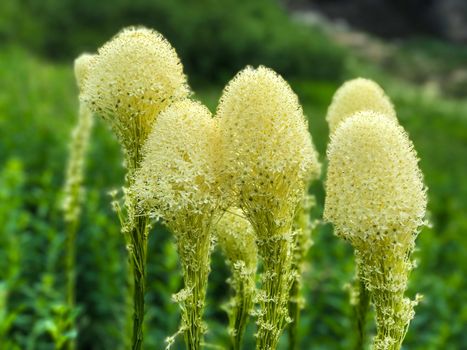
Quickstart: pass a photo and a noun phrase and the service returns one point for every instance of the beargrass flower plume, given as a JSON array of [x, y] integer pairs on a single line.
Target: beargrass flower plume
[[352, 97], [177, 182], [134, 76], [237, 241], [376, 200], [268, 158], [73, 190], [355, 96], [303, 226]]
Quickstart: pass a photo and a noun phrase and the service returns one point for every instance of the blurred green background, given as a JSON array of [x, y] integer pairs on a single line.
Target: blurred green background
[[423, 71]]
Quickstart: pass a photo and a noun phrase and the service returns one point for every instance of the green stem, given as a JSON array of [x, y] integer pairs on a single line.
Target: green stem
[[361, 311], [138, 238], [240, 313], [71, 275], [302, 242], [276, 257], [294, 312], [194, 250], [391, 323]]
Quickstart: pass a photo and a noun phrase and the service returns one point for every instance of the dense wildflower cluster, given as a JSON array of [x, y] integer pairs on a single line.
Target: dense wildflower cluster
[[358, 95], [268, 157], [177, 183], [257, 159], [376, 199], [133, 78], [237, 241]]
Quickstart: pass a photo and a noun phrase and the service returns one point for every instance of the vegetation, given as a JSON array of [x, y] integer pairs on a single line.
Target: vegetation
[[39, 108], [214, 39]]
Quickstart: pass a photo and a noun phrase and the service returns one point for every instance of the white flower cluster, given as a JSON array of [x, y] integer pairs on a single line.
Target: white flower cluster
[[177, 178], [375, 195], [355, 96], [134, 77], [268, 154]]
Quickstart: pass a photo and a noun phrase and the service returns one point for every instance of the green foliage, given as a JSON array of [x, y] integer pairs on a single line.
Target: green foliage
[[214, 38], [38, 108]]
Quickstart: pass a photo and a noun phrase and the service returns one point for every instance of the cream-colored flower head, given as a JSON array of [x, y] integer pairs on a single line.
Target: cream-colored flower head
[[177, 176], [82, 66], [375, 195], [237, 238], [134, 77], [268, 153], [355, 96]]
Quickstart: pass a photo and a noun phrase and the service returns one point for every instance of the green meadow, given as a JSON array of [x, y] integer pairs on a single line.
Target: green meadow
[[38, 110]]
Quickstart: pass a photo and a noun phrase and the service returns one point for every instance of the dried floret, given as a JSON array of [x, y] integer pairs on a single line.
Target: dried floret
[[355, 96]]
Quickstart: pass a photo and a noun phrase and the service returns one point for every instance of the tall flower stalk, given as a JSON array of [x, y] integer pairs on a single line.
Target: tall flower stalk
[[178, 183], [73, 191], [357, 96], [237, 241], [267, 157], [376, 199], [134, 77]]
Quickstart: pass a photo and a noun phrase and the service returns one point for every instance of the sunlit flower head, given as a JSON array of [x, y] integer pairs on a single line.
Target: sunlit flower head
[[268, 155], [134, 77], [177, 176], [375, 195]]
